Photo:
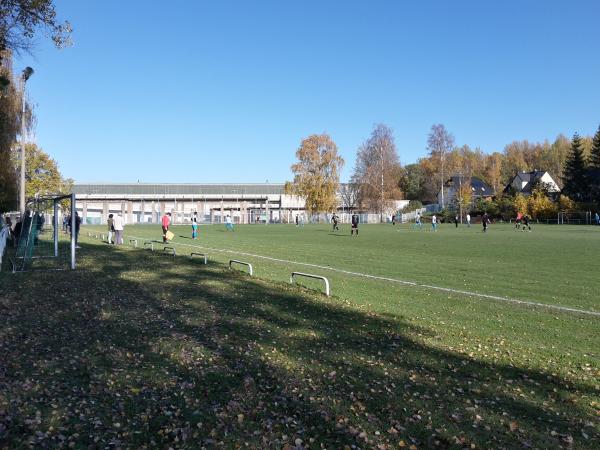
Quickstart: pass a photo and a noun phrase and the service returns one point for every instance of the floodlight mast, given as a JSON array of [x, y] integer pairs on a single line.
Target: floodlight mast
[[27, 72]]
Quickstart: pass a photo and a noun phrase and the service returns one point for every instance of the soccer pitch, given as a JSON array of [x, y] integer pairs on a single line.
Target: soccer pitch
[[557, 266]]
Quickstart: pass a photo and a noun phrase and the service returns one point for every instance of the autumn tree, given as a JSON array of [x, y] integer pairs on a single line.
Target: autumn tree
[[555, 156], [42, 175], [574, 175], [349, 195], [10, 125], [565, 204], [22, 20], [439, 143], [464, 196], [377, 170], [540, 206], [493, 172], [316, 174], [521, 204]]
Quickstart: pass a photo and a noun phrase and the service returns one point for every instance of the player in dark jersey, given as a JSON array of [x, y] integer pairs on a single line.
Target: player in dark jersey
[[526, 223], [335, 220], [354, 224]]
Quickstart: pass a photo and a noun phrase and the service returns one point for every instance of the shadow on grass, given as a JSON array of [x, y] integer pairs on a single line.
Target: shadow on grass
[[138, 349]]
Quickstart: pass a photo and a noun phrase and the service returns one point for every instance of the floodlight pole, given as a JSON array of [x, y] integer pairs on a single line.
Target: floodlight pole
[[460, 196], [55, 225], [381, 152], [73, 230], [27, 72]]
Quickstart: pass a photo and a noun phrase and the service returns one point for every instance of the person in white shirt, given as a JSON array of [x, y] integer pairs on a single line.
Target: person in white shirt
[[228, 223], [434, 222], [118, 225], [468, 220], [418, 221]]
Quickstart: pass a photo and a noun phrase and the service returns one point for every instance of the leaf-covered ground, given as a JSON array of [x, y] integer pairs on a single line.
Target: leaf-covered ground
[[141, 350]]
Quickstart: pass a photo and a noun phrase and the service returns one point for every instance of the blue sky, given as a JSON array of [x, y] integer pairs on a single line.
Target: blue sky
[[223, 91]]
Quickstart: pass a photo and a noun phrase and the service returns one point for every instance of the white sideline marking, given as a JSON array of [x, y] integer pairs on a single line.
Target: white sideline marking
[[395, 280]]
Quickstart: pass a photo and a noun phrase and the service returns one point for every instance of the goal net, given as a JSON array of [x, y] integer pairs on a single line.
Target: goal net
[[575, 218], [45, 238]]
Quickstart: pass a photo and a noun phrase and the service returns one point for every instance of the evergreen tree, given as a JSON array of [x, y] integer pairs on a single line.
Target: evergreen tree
[[574, 175], [595, 154]]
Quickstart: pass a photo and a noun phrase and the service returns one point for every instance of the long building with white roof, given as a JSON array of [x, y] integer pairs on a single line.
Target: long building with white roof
[[146, 203]]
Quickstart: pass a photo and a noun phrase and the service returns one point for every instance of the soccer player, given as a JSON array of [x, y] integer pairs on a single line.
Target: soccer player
[[518, 220], [335, 219], [228, 223], [418, 221], [468, 220], [456, 221], [355, 221], [434, 222], [526, 223], [485, 221], [194, 226]]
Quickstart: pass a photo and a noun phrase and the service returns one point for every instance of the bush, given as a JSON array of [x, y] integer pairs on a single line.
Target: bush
[[506, 207], [412, 205]]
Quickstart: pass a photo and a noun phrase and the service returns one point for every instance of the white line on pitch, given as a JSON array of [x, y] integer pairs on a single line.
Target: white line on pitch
[[395, 280]]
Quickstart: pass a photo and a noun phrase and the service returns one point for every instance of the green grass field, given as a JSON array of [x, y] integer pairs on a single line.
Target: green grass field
[[552, 265], [140, 349]]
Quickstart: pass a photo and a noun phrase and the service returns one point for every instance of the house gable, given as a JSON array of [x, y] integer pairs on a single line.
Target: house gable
[[524, 182]]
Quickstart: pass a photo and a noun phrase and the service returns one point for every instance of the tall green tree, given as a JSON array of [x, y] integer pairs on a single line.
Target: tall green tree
[[595, 153], [413, 181], [574, 176], [594, 168]]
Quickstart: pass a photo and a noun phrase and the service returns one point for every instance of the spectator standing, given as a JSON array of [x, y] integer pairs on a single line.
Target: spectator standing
[[77, 226], [111, 228], [166, 222], [118, 225]]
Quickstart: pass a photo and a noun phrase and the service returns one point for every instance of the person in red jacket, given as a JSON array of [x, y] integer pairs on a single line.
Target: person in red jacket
[[166, 221]]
